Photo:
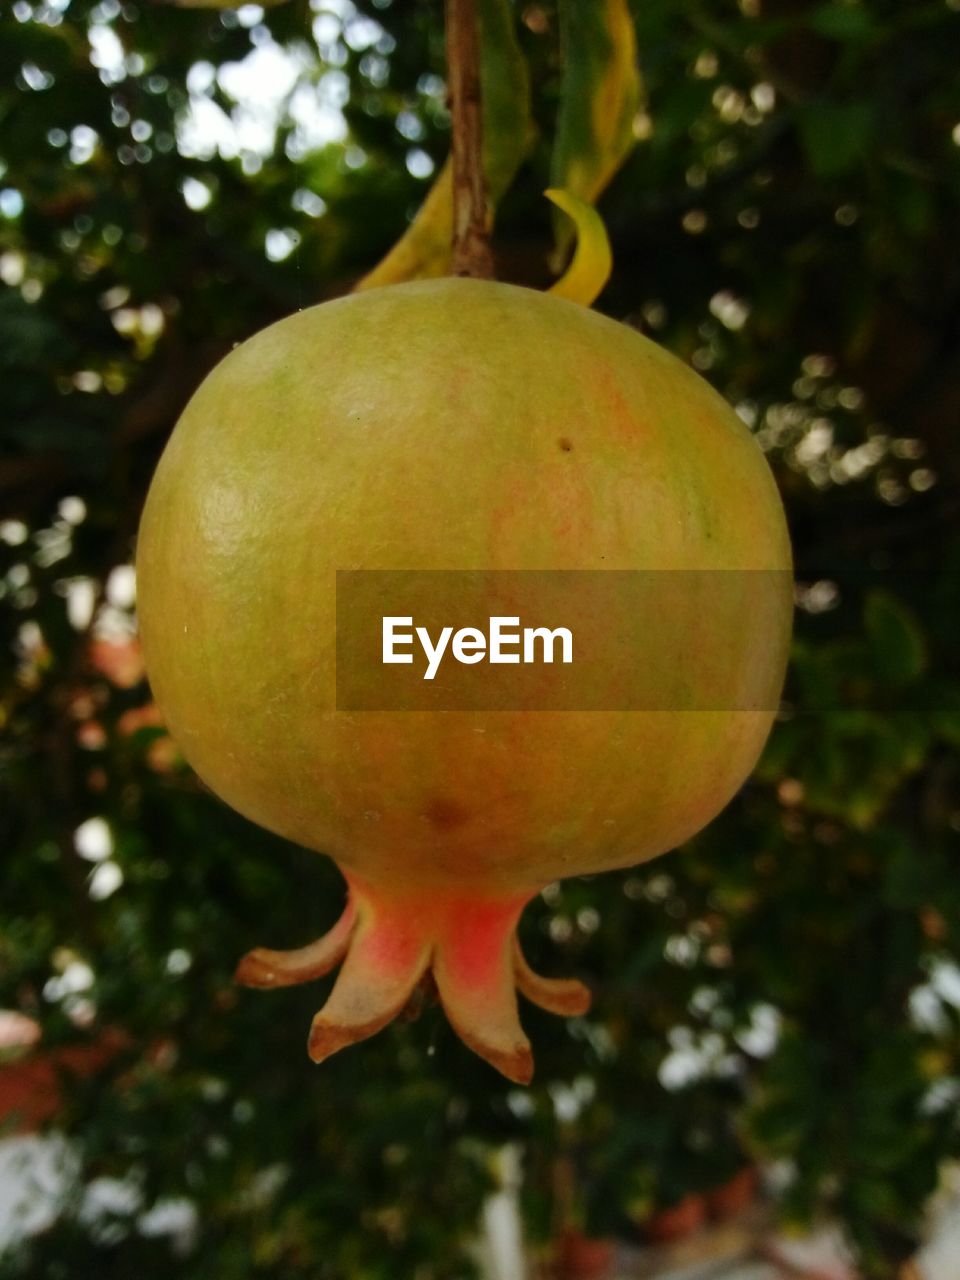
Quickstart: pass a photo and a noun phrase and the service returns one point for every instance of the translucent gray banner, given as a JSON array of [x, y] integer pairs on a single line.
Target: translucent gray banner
[[562, 640]]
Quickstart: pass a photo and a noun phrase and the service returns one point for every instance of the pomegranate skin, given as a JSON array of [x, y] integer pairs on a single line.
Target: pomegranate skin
[[450, 424]]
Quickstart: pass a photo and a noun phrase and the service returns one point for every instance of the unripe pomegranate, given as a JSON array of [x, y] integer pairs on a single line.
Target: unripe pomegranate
[[457, 425]]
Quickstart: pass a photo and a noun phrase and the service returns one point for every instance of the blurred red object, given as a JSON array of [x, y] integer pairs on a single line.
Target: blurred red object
[[734, 1196], [119, 659], [31, 1089], [681, 1219], [578, 1257]]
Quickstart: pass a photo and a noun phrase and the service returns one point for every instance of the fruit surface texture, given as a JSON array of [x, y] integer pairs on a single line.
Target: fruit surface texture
[[452, 425]]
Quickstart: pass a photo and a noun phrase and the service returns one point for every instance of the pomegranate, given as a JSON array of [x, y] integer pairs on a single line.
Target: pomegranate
[[456, 425]]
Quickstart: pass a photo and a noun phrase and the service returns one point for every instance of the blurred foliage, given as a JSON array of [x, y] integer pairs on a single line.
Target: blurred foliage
[[601, 94], [785, 989]]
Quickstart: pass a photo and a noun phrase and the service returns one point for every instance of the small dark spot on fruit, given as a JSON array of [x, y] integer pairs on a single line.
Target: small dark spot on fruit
[[446, 814], [565, 444]]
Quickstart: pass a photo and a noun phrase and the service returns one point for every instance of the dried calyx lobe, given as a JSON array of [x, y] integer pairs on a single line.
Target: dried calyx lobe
[[388, 944]]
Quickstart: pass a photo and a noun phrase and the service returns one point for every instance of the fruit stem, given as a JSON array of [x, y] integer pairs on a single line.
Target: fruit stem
[[471, 254]]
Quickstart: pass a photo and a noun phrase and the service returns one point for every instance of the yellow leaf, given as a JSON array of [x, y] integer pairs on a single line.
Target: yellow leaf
[[592, 261], [424, 248]]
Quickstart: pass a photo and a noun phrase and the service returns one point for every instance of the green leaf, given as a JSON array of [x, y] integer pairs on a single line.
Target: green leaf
[[842, 22], [424, 248], [947, 725], [836, 135], [599, 101], [943, 701], [898, 645]]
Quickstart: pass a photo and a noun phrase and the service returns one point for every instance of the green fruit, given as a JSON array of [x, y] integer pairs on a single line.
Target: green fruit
[[453, 425]]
